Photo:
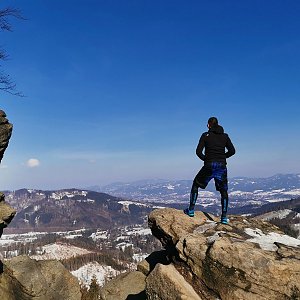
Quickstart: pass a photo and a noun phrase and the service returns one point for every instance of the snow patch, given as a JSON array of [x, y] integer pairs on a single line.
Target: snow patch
[[94, 269], [127, 203], [240, 193], [139, 257], [266, 241], [170, 187], [280, 214], [124, 245], [99, 235], [59, 251], [294, 192], [139, 231]]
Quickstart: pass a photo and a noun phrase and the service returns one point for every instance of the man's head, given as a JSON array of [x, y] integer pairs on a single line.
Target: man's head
[[212, 122]]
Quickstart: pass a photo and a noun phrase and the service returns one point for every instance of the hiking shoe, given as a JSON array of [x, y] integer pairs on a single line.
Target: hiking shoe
[[188, 212], [224, 220]]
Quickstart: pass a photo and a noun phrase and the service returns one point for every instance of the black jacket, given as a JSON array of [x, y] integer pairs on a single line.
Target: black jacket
[[214, 141]]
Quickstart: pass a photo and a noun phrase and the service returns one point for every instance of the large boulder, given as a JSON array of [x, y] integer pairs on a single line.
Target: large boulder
[[248, 259], [24, 278], [6, 213], [129, 285], [166, 283], [156, 257]]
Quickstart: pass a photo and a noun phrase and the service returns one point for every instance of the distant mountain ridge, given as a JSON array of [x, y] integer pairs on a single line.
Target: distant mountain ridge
[[71, 209], [259, 190]]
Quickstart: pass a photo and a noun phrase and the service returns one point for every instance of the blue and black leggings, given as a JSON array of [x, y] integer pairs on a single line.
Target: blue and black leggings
[[218, 172]]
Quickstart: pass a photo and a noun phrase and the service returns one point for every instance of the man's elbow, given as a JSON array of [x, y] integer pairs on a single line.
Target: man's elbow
[[231, 153], [200, 155]]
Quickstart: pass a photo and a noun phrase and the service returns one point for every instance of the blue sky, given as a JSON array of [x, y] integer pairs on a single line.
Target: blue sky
[[122, 90]]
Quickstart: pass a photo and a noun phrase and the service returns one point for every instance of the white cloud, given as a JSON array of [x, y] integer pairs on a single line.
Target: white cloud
[[32, 163]]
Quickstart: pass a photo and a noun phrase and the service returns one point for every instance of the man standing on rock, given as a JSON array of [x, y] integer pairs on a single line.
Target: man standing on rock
[[214, 141]]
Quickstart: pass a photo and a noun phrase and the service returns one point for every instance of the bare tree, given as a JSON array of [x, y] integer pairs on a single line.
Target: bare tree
[[6, 83]]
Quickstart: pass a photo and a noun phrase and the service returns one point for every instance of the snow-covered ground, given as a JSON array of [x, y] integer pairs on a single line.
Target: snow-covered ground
[[139, 231], [124, 245], [28, 237], [122, 238], [139, 257], [280, 214], [59, 251], [294, 192], [127, 203], [266, 241], [94, 269], [99, 235], [240, 194]]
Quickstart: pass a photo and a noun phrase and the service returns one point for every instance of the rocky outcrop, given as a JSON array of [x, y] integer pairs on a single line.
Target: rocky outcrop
[[125, 286], [6, 213], [5, 133], [25, 278], [165, 282], [248, 259]]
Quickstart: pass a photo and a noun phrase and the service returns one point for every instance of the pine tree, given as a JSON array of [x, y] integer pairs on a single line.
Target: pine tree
[[94, 290]]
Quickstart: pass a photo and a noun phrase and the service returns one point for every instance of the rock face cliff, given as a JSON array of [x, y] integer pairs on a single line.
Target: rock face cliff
[[248, 259], [5, 133], [25, 278]]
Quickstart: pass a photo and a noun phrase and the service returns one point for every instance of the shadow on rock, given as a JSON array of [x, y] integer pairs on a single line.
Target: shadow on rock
[[140, 296], [158, 257]]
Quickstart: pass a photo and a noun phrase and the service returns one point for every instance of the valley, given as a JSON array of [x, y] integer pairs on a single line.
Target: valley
[[98, 235]]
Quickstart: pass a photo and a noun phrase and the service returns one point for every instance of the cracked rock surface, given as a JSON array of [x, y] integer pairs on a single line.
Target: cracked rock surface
[[247, 259]]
